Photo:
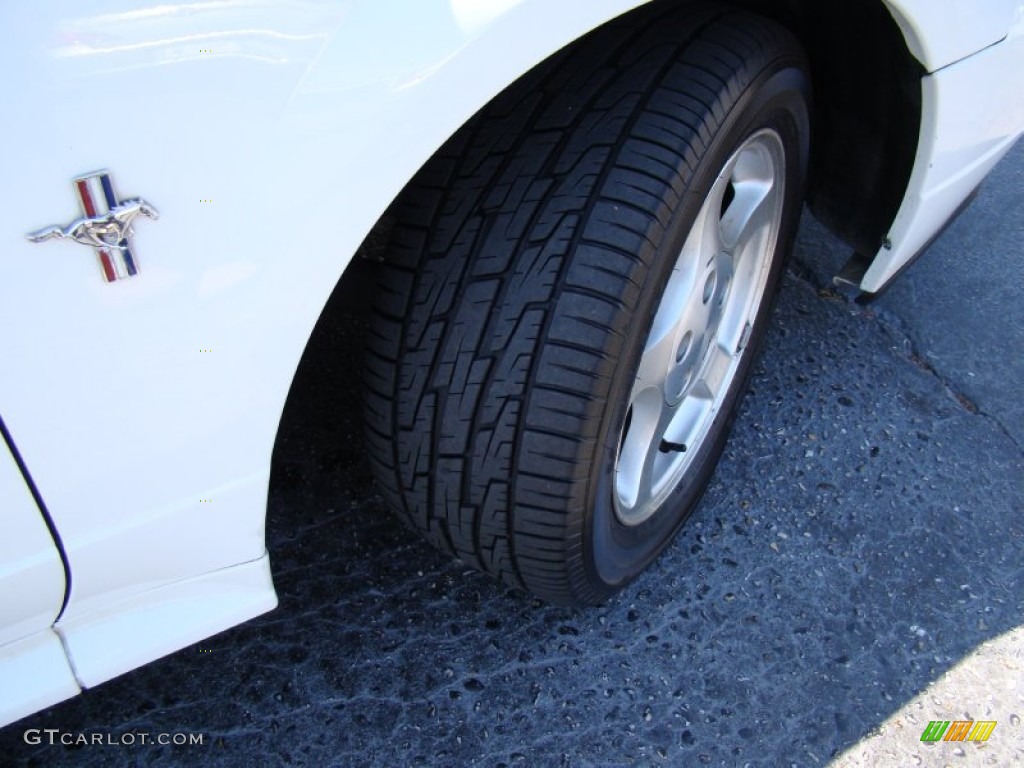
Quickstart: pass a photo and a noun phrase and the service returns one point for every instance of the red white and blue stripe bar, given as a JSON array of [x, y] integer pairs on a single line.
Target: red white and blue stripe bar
[[97, 195]]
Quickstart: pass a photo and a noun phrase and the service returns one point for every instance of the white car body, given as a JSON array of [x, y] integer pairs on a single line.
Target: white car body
[[271, 135]]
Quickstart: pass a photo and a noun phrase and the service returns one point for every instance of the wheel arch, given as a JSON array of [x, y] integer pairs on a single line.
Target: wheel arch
[[868, 112], [867, 120], [866, 124]]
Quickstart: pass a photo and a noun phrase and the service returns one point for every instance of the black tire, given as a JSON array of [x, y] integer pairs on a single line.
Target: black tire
[[526, 266]]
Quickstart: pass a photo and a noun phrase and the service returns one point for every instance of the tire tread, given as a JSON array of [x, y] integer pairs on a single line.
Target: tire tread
[[498, 320]]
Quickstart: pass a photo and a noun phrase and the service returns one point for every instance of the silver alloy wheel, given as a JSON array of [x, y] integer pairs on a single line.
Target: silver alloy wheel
[[701, 327]]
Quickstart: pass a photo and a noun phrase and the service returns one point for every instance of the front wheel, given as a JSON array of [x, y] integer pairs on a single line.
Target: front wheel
[[574, 294]]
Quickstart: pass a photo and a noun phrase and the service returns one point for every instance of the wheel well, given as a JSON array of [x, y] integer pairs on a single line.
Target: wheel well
[[867, 89], [866, 125], [867, 119]]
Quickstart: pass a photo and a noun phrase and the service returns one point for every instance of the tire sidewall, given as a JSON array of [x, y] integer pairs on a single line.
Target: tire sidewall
[[613, 553]]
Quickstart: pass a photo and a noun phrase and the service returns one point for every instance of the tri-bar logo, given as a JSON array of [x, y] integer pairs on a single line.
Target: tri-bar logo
[[106, 225], [958, 730]]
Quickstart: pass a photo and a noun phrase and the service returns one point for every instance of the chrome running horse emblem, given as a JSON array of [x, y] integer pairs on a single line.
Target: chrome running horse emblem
[[107, 227]]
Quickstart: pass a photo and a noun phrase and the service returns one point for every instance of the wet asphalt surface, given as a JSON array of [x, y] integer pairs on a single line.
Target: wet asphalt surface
[[862, 535]]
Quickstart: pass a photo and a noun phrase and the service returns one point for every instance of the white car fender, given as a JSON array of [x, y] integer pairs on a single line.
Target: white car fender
[[270, 137], [940, 32], [972, 113], [34, 670]]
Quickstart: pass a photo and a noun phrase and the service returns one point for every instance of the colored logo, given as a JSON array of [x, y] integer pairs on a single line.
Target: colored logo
[[958, 730], [106, 225]]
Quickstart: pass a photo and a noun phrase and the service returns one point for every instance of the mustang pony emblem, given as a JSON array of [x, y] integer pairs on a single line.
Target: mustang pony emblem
[[108, 231]]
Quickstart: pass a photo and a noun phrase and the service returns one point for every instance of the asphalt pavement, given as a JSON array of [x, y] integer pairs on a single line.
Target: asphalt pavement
[[853, 573]]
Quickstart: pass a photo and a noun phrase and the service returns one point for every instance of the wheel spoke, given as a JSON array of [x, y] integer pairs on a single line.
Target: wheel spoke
[[656, 362], [714, 373], [749, 216], [645, 485], [726, 266], [660, 454], [640, 432], [716, 305], [705, 239]]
